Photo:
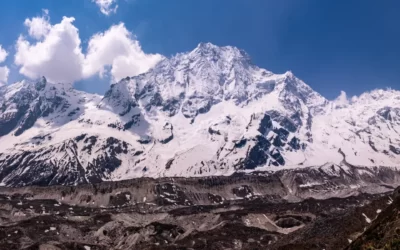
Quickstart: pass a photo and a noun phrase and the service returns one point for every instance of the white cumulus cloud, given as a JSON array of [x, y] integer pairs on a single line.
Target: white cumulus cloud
[[4, 71], [56, 52], [107, 7], [342, 100], [3, 54], [117, 48], [38, 27], [58, 56]]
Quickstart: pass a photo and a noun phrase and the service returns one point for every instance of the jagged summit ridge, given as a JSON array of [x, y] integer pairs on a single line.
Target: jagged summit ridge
[[192, 82], [209, 111]]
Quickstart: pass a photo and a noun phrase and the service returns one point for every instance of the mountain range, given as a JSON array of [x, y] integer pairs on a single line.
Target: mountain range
[[207, 112]]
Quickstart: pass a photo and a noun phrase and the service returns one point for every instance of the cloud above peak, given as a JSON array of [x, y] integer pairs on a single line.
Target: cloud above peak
[[118, 48], [342, 100], [3, 54], [107, 7], [39, 27], [4, 70], [57, 55], [55, 51]]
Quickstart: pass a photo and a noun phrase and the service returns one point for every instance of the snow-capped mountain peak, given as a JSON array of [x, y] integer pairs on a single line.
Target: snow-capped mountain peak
[[213, 52], [191, 83], [209, 111]]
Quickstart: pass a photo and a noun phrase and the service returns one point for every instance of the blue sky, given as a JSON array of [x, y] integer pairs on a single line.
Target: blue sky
[[332, 45]]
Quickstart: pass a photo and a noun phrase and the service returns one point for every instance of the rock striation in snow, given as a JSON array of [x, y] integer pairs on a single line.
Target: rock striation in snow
[[210, 111]]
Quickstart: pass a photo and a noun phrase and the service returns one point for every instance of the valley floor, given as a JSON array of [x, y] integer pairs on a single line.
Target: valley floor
[[177, 213]]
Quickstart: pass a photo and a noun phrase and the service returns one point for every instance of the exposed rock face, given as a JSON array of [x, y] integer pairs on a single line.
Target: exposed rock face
[[383, 232], [27, 102], [71, 166]]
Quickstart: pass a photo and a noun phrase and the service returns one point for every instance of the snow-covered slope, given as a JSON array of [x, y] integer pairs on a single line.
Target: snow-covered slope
[[206, 112]]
